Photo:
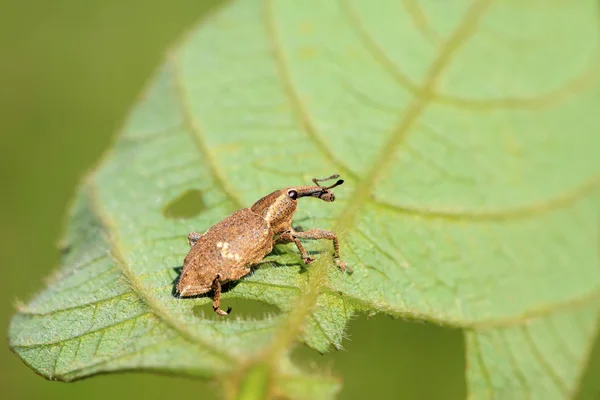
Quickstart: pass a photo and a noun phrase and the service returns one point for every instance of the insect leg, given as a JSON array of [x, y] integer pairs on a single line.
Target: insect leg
[[287, 237], [216, 286], [193, 237], [316, 234]]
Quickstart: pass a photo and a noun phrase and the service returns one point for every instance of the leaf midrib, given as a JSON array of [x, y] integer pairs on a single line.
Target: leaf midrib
[[346, 219]]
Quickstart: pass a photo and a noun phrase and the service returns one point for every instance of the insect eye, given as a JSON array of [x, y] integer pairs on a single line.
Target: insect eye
[[293, 194]]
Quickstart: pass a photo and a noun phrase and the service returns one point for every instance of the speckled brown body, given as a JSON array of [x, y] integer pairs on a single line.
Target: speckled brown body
[[224, 250], [228, 250]]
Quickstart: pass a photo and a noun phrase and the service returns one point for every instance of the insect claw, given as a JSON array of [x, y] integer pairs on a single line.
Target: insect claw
[[221, 312], [342, 265], [308, 260]]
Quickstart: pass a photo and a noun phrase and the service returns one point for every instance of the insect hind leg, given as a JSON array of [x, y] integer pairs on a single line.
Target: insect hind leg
[[216, 286]]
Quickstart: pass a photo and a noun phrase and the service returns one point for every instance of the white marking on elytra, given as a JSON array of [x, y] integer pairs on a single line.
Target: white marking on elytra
[[226, 254]]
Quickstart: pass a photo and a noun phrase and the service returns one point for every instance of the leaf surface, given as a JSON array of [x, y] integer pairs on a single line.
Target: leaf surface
[[465, 135]]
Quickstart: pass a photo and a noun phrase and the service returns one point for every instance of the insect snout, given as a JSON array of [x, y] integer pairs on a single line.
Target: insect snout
[[324, 192], [327, 196]]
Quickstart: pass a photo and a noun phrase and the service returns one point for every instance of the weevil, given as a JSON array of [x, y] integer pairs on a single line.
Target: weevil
[[227, 251]]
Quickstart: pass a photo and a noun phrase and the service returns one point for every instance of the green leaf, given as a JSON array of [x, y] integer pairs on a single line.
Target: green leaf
[[466, 135]]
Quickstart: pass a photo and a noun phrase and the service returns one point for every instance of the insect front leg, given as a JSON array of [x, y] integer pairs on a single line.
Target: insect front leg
[[316, 234], [288, 237], [216, 286], [193, 237]]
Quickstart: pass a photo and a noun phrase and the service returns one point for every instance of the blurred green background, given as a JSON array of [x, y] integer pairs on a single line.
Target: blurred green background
[[70, 71]]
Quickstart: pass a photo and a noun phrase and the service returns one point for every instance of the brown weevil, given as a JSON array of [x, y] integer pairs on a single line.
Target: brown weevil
[[227, 251]]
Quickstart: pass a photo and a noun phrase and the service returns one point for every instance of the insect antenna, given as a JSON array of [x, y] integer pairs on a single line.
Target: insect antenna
[[334, 176]]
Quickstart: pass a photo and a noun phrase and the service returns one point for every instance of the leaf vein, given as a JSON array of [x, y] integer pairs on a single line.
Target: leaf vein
[[151, 302], [192, 126], [28, 312], [512, 360], [558, 381], [422, 99], [579, 82], [420, 20], [84, 334], [527, 211], [320, 326], [475, 347], [301, 113]]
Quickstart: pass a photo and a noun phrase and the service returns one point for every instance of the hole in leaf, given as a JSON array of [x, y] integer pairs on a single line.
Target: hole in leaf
[[391, 358], [186, 205], [240, 308]]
